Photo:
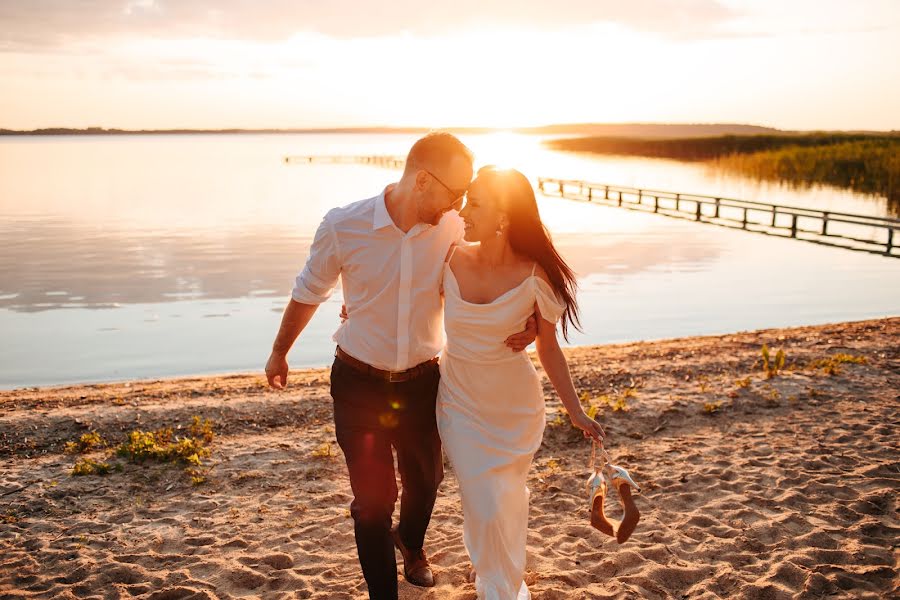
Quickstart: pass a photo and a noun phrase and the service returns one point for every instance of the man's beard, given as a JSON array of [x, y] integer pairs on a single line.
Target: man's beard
[[431, 218]]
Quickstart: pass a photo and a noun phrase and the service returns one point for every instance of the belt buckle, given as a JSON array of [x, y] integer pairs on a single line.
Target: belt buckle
[[391, 376]]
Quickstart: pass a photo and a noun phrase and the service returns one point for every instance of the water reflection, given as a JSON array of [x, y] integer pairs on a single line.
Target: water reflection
[[56, 264], [48, 265]]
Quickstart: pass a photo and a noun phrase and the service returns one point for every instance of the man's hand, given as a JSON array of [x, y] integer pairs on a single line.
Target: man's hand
[[277, 371], [519, 341], [344, 315]]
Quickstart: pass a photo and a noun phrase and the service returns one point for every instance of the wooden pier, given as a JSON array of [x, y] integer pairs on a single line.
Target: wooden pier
[[878, 235], [389, 162]]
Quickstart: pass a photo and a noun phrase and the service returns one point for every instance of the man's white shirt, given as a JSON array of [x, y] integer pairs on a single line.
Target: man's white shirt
[[390, 279]]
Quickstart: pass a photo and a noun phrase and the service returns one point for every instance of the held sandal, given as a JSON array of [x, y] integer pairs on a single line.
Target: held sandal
[[613, 476]]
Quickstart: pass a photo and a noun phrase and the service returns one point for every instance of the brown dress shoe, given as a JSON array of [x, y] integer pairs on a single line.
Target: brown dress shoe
[[415, 564]]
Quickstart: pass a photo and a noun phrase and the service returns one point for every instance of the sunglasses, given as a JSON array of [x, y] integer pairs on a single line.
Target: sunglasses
[[458, 196]]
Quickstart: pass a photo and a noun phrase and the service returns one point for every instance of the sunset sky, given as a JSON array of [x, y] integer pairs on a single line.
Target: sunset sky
[[793, 64]]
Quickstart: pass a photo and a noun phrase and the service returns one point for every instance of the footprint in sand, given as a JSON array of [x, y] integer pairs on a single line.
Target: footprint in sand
[[278, 561], [200, 541], [181, 593], [246, 579]]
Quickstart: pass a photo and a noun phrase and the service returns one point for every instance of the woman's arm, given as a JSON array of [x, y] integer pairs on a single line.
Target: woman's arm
[[554, 363]]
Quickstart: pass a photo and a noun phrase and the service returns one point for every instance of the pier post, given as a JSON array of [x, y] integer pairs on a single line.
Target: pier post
[[825, 223], [774, 212], [697, 215], [590, 193], [606, 193], [744, 225], [717, 208], [655, 203], [620, 197], [793, 225], [677, 202], [890, 240]]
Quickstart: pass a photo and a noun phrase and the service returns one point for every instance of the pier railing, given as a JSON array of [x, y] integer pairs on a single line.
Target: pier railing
[[879, 235]]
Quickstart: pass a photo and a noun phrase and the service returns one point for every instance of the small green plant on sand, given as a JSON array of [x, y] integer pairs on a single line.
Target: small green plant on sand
[[557, 421], [832, 364], [616, 401], [87, 442], [552, 466], [197, 476], [159, 446], [87, 466], [743, 383], [201, 429], [772, 366], [323, 451], [711, 407], [771, 395], [703, 382]]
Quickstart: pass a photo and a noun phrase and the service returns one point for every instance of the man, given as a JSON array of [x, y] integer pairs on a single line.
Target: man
[[389, 252]]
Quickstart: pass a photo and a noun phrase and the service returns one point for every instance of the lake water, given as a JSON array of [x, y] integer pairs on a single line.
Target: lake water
[[155, 256]]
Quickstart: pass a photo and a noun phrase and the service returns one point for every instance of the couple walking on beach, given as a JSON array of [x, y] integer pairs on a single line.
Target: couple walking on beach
[[413, 262]]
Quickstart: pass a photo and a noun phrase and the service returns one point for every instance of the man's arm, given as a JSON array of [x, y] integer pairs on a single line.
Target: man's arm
[[519, 341], [296, 317], [312, 287]]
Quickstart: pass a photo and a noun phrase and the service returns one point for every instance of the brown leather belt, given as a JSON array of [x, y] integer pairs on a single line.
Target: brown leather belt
[[389, 376]]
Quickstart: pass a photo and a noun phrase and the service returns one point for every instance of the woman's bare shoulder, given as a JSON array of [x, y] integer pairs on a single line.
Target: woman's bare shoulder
[[540, 273]]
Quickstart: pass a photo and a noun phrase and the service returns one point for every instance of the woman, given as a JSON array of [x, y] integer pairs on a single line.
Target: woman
[[490, 407]]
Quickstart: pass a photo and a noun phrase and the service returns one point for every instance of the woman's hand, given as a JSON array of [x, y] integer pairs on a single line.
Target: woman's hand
[[589, 426]]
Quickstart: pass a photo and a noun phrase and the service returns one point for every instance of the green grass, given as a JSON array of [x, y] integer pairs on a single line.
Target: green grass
[[707, 148], [160, 447], [157, 446], [88, 466], [86, 443], [832, 364], [868, 166]]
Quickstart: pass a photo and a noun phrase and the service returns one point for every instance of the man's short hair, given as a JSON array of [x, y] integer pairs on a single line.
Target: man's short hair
[[437, 148]]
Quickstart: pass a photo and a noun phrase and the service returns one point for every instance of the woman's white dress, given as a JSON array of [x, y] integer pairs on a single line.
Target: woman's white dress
[[490, 413]]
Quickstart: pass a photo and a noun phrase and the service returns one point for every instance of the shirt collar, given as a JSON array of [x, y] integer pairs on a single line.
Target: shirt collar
[[381, 218]]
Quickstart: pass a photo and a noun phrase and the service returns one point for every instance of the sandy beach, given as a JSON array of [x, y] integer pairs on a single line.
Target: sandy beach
[[753, 486]]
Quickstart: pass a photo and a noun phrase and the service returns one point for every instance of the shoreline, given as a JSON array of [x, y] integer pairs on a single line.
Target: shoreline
[[299, 370], [753, 486]]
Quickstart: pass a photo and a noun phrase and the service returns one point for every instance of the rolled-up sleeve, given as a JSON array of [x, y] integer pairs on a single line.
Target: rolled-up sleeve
[[315, 283]]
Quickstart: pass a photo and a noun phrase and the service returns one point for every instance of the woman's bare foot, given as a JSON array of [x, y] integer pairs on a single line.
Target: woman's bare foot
[[472, 575], [631, 517]]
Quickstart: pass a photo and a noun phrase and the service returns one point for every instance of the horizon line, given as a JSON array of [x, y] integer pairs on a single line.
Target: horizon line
[[550, 128]]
